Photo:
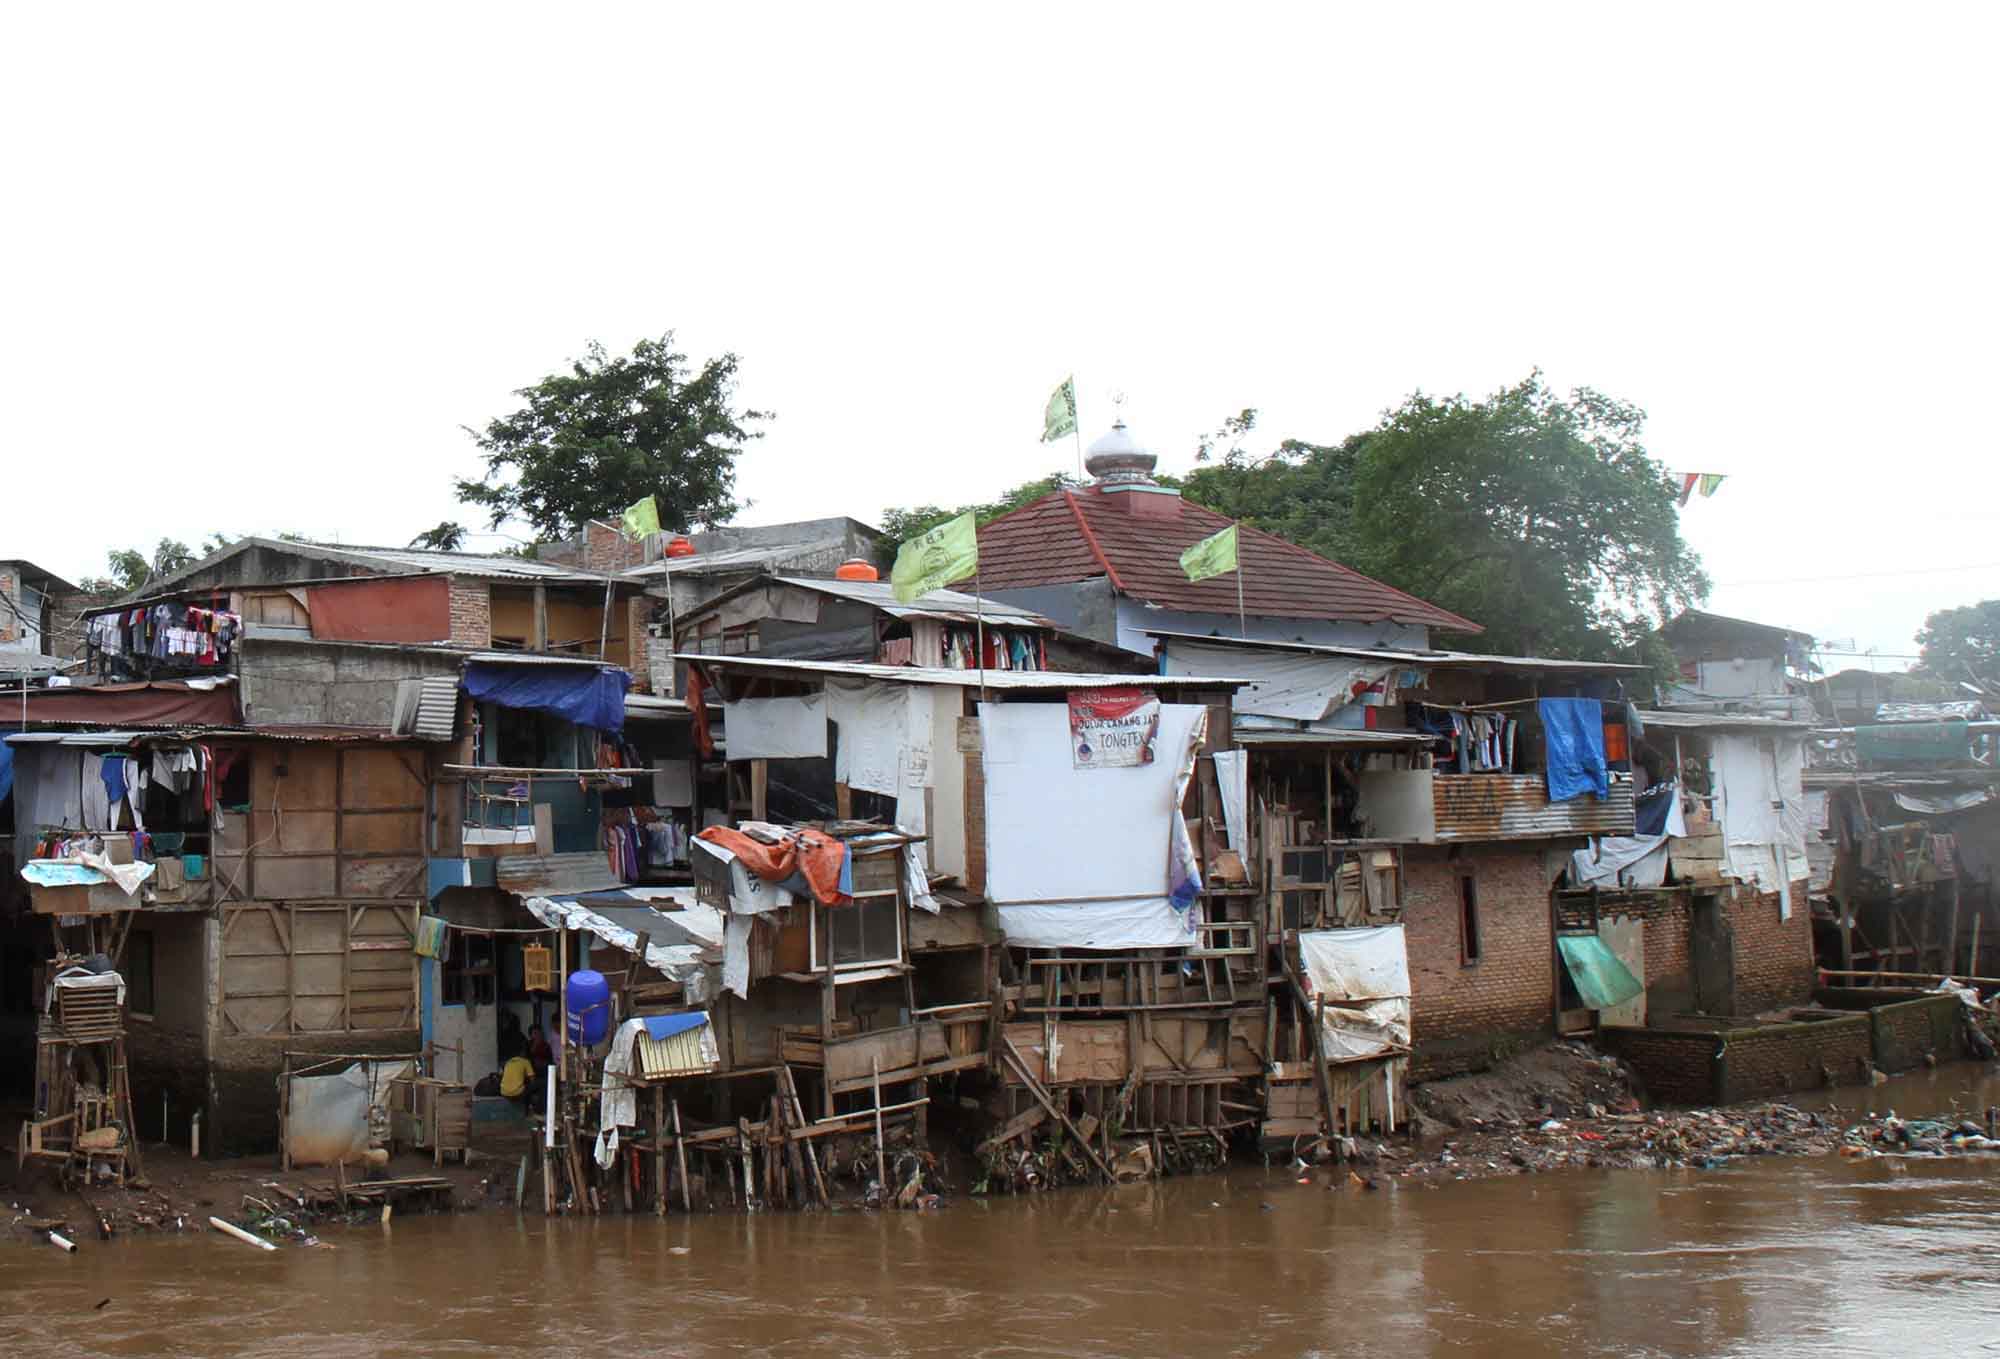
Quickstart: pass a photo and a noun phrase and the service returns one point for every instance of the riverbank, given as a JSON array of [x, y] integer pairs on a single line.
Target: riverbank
[[1558, 1107]]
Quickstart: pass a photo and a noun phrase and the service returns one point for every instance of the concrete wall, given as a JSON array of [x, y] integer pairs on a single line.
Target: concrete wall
[[348, 684], [168, 1051], [1465, 1015]]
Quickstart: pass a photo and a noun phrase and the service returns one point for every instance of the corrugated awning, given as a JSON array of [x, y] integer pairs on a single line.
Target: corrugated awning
[[1601, 979]]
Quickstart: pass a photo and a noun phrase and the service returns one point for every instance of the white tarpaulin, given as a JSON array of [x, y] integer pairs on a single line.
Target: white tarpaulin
[[326, 1117], [1080, 858], [1628, 860], [1232, 775], [676, 962], [1760, 782], [776, 728], [1299, 685], [1363, 975], [874, 722]]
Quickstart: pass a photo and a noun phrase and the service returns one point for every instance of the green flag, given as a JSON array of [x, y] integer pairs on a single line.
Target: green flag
[[1060, 418], [933, 560], [641, 519], [1212, 556]]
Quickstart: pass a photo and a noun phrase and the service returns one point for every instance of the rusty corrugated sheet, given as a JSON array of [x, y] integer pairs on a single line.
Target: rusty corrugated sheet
[[1517, 807]]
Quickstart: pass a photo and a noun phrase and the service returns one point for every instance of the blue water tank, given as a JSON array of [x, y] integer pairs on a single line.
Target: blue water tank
[[589, 1007]]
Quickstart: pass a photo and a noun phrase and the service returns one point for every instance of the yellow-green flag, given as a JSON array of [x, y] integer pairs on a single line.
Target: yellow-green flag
[[1214, 555], [641, 519], [1060, 417], [933, 560]]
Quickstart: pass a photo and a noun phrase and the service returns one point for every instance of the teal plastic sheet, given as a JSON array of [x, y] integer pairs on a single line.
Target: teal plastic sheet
[[1928, 742], [1602, 981]]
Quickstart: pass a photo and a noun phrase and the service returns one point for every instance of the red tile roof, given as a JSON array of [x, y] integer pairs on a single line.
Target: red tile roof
[[1077, 535]]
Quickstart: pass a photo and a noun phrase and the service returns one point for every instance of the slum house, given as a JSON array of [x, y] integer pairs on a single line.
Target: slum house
[[1127, 998], [1903, 833], [1732, 665], [1422, 791], [30, 610], [855, 616], [1143, 1008]]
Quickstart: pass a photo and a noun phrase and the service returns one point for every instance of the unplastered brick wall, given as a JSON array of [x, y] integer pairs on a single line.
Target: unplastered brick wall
[[10, 588], [1673, 1066], [1777, 1059], [607, 549], [471, 613], [1465, 1015], [1774, 959]]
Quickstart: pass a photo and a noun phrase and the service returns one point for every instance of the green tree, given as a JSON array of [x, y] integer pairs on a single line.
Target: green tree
[[1962, 643], [129, 569], [899, 525], [1538, 515], [446, 537], [609, 431]]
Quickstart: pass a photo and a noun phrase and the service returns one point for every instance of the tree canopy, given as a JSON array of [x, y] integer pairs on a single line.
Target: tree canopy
[[1538, 515], [1962, 643], [899, 525], [129, 568], [610, 431]]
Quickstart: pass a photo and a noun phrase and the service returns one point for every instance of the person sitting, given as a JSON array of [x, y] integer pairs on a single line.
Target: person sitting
[[517, 1080]]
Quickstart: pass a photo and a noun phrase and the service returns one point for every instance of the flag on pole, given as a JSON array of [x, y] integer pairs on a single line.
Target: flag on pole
[[1709, 482], [1214, 555], [933, 560], [641, 519], [1060, 417], [1688, 479]]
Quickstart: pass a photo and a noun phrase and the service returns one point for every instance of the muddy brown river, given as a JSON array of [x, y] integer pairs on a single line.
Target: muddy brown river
[[1770, 1257]]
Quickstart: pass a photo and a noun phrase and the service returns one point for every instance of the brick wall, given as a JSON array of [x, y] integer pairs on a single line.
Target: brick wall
[[638, 611], [1777, 1059], [1904, 1033], [1774, 958], [471, 613], [1674, 1066], [1465, 1015], [10, 588], [606, 549]]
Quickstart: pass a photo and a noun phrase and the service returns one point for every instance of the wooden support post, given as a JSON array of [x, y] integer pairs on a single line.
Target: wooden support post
[[760, 789], [743, 1146], [881, 1159], [1972, 960], [1035, 1088], [680, 1155], [1951, 933], [660, 1147], [798, 1114]]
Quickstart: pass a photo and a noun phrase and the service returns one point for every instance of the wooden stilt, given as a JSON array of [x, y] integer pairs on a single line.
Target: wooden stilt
[[681, 1155], [881, 1159], [660, 1149]]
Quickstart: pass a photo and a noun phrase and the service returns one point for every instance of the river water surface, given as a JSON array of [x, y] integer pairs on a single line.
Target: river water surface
[[1773, 1256]]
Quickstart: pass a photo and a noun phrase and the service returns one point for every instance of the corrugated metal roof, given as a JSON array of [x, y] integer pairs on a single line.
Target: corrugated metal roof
[[1017, 680], [436, 707], [1691, 721], [534, 658], [950, 605], [1454, 660], [457, 563], [1517, 807], [1377, 740], [730, 559]]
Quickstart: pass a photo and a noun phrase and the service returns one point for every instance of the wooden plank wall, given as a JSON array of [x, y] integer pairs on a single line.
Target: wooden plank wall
[[322, 884]]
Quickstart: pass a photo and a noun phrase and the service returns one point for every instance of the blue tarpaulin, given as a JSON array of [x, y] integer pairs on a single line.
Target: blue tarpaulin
[[666, 1026], [590, 696], [6, 772], [1574, 728]]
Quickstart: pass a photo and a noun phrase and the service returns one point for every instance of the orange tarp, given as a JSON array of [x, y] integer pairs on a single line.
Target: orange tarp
[[814, 855]]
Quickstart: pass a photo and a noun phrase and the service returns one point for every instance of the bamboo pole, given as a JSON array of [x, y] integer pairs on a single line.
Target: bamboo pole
[[881, 1160], [660, 1147], [1933, 977], [680, 1154], [231, 1229]]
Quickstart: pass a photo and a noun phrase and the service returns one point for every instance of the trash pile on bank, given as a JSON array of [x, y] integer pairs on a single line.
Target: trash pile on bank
[[1696, 1139]]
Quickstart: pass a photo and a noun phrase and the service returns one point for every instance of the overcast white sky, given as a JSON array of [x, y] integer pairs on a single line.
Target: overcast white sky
[[264, 261]]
